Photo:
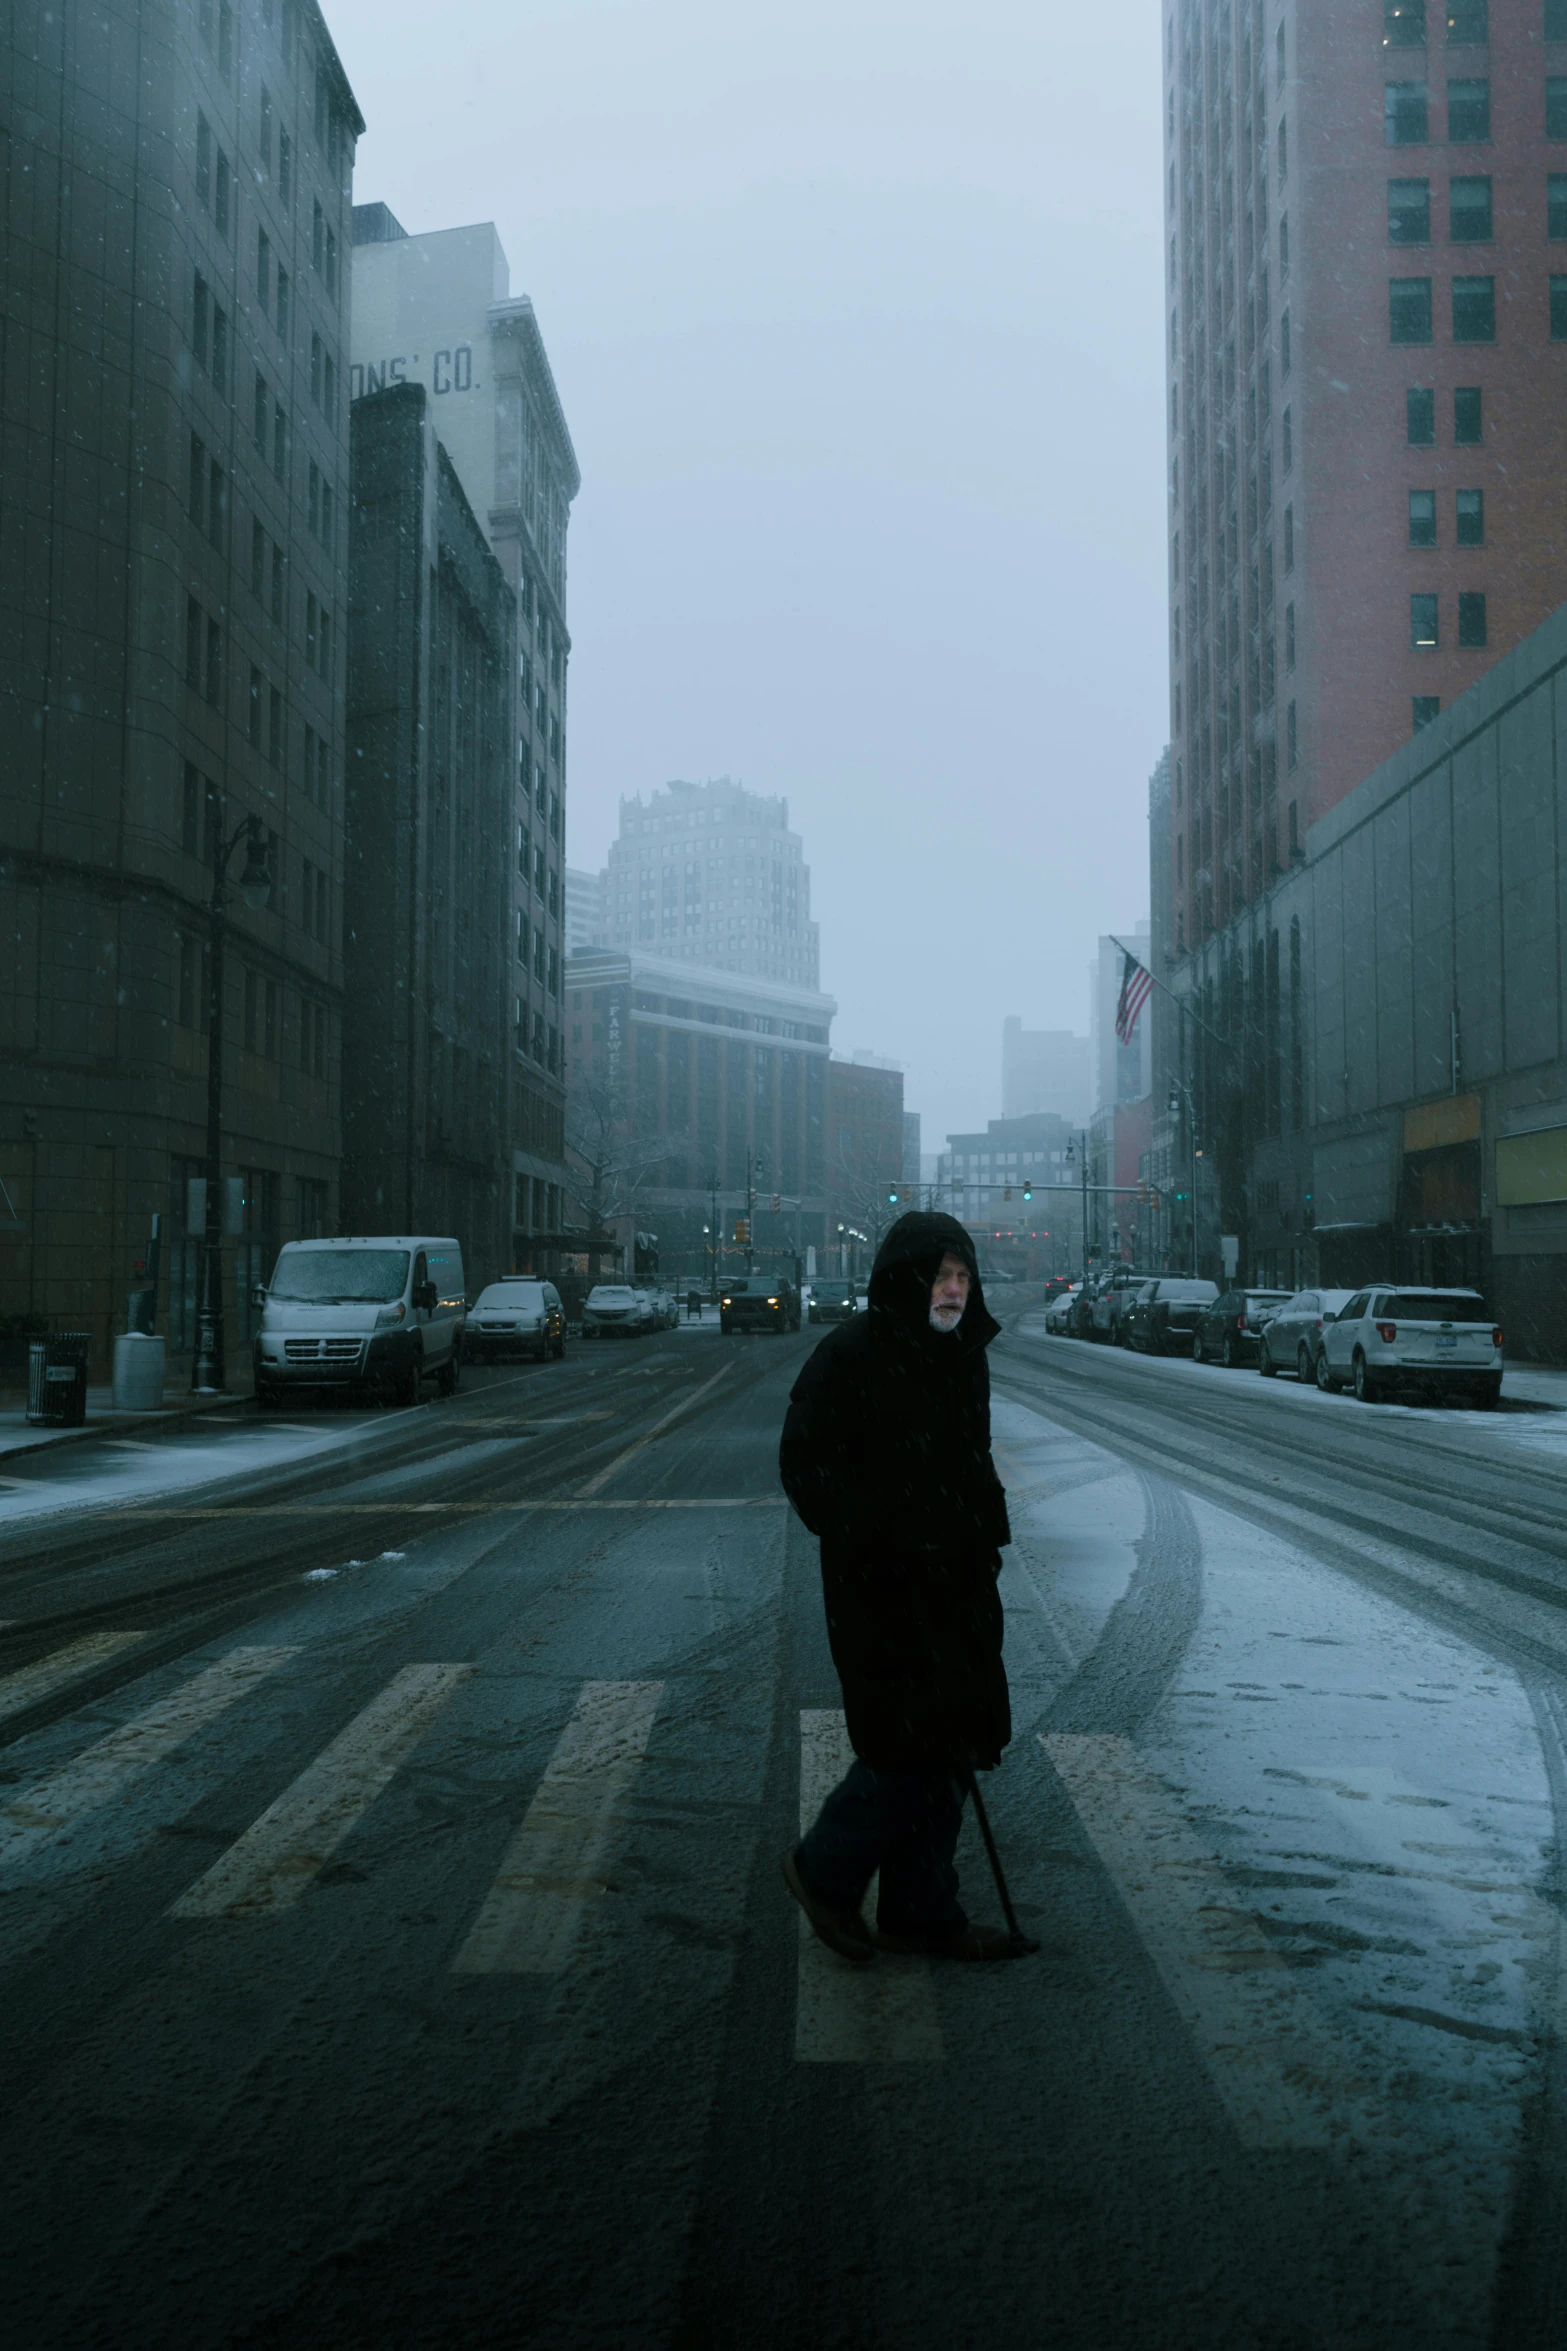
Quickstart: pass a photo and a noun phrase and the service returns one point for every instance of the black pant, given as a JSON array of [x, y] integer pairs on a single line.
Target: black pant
[[903, 1822]]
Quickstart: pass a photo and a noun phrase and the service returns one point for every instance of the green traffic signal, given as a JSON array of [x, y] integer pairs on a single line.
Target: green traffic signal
[[892, 1196]]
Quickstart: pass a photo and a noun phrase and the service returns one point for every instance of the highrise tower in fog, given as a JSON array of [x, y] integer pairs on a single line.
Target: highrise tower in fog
[[1366, 232], [711, 874]]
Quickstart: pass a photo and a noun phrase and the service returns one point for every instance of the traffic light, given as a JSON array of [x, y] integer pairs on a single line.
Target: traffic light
[[892, 1195], [742, 1232], [1006, 1193], [777, 1202], [1028, 1191]]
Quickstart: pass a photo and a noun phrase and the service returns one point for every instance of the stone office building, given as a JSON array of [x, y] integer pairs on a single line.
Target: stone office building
[[172, 575], [1391, 1086], [430, 1014], [437, 310]]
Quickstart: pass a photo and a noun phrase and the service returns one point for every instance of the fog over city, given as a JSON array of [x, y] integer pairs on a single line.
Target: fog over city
[[856, 320]]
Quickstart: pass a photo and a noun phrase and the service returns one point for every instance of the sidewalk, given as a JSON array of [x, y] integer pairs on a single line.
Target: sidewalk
[[18, 1434]]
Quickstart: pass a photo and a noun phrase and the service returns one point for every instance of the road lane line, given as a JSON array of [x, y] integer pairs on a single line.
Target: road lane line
[[847, 2014], [108, 1766], [1283, 2077], [436, 1509], [553, 1865], [40, 1680], [585, 1493], [270, 1866]]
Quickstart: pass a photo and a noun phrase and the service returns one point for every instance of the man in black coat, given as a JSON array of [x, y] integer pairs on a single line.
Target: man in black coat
[[886, 1457]]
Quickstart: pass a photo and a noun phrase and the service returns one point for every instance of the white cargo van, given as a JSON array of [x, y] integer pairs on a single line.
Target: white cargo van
[[384, 1311]]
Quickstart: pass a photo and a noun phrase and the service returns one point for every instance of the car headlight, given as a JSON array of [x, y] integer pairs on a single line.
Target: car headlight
[[390, 1316]]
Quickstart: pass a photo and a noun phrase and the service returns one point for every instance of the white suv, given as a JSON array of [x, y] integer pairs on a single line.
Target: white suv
[[1431, 1341]]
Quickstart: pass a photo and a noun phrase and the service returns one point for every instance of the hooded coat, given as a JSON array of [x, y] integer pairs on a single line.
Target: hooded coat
[[886, 1457]]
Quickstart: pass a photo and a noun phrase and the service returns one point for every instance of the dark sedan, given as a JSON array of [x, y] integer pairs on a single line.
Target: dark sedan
[[1231, 1328], [1168, 1312]]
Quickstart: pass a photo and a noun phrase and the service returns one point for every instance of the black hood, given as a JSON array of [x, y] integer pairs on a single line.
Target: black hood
[[907, 1264]]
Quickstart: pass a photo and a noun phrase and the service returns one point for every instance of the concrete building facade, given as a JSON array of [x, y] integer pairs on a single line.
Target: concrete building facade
[[711, 874], [437, 310], [432, 1013], [1044, 1069], [864, 1153], [1367, 435], [683, 1079], [173, 492]]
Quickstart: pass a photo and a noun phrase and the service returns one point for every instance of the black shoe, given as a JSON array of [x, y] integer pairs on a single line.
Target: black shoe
[[967, 1941], [843, 1931]]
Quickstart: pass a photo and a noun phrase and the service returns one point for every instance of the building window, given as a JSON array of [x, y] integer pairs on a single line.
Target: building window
[[282, 305], [203, 162], [1289, 636], [264, 128], [1284, 150], [1471, 618], [199, 307], [1289, 538], [1474, 310], [193, 644], [1409, 310], [1287, 439], [1291, 739], [1422, 623], [1469, 211], [197, 494], [1404, 114], [1467, 20], [1556, 204], [1556, 106], [315, 368], [285, 168], [279, 441], [1284, 247], [1423, 709], [1471, 518], [1558, 309], [317, 236], [1468, 429], [1420, 418], [1422, 518], [1409, 212], [275, 733], [1403, 24], [253, 722], [220, 196], [263, 269], [1556, 20], [1468, 112], [1284, 344], [277, 585], [258, 420]]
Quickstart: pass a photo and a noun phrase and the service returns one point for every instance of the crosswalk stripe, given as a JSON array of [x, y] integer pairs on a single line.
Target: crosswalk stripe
[[553, 1865], [847, 2014], [32, 1683], [1282, 2076], [270, 1866], [106, 1767]]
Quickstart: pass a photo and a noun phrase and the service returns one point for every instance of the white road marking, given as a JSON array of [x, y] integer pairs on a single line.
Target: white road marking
[[61, 1667], [270, 1866], [529, 1921], [847, 2014], [1284, 2079], [584, 1493], [105, 1768]]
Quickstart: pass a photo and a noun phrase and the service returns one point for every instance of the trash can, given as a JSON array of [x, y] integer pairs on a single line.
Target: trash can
[[138, 1372], [57, 1380]]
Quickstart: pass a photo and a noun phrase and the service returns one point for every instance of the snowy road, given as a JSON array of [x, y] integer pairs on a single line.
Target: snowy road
[[394, 1949]]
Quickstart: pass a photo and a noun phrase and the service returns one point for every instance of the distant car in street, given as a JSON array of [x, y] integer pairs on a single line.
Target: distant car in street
[[611, 1310], [832, 1300], [1232, 1326], [758, 1302], [1058, 1314], [1292, 1341], [1057, 1283], [516, 1317], [1166, 1313], [1420, 1342]]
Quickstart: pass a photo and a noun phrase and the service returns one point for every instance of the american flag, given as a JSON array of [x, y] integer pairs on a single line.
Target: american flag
[[1136, 988]]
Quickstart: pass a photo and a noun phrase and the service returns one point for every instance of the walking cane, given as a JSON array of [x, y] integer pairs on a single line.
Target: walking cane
[[1022, 1945]]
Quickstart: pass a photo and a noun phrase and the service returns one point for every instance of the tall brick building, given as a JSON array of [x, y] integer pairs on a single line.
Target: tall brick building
[[173, 586], [1366, 224]]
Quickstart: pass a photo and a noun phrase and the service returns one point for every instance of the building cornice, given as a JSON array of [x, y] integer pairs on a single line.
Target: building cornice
[[516, 319]]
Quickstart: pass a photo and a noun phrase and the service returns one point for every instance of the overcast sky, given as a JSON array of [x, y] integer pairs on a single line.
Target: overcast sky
[[855, 310]]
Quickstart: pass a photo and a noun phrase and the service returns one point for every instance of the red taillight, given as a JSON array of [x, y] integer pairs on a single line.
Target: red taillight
[[1387, 1331], [1240, 1322], [1498, 1337]]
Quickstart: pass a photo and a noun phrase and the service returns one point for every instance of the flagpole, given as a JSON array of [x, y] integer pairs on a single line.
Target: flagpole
[[1170, 992]]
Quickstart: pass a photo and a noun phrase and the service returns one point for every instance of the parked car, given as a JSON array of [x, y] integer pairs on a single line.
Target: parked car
[[758, 1302], [1123, 1304], [1232, 1326], [832, 1301], [374, 1312], [1422, 1342], [516, 1317], [1106, 1304], [1081, 1324], [1292, 1341], [666, 1309], [612, 1310], [1167, 1312], [1058, 1314]]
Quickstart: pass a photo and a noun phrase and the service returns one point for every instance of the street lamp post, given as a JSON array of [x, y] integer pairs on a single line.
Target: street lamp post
[[1081, 1155], [255, 888]]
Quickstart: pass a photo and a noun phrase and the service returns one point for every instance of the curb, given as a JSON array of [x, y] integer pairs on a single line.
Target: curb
[[167, 1422]]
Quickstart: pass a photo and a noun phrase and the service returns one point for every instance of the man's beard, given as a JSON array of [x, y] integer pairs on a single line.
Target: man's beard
[[945, 1318]]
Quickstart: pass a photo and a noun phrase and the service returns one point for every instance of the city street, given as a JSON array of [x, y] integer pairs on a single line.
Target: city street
[[394, 1948]]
